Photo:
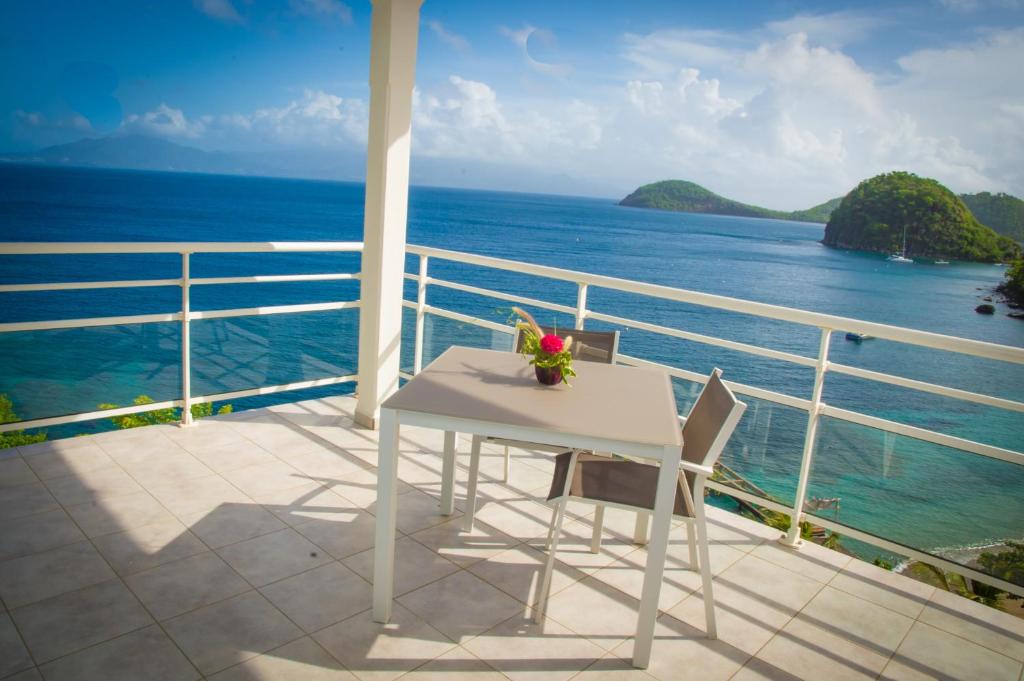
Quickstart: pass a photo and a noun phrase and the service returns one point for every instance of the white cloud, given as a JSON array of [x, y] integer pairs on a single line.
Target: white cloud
[[831, 30], [165, 121], [968, 6], [449, 38], [39, 121], [221, 10], [331, 10]]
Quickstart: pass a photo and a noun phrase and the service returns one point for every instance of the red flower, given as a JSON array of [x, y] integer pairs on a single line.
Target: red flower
[[551, 344]]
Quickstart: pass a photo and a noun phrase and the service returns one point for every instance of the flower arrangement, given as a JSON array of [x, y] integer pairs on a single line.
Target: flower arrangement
[[552, 360]]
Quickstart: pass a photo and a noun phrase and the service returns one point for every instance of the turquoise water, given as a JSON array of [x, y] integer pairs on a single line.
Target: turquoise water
[[920, 494]]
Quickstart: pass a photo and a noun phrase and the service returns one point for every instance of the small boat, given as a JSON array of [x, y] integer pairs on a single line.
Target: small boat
[[902, 255], [941, 262], [858, 337]]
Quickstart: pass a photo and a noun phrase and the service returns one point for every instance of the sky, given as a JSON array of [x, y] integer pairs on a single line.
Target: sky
[[782, 103]]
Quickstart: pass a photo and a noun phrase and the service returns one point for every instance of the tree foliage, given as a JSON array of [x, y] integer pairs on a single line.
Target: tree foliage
[[680, 195], [1002, 212], [156, 416], [875, 214], [1013, 284], [15, 438], [1007, 565]]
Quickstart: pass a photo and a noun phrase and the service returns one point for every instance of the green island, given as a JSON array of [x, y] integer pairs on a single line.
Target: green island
[[689, 197], [885, 212], [1002, 212]]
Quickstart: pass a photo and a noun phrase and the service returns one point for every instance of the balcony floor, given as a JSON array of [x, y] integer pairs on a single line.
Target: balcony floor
[[241, 548]]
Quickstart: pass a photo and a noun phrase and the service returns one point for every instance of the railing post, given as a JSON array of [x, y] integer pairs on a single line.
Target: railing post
[[421, 313], [792, 538], [581, 304], [186, 341]]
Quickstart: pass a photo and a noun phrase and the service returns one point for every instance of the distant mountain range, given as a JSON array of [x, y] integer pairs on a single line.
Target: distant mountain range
[[690, 197], [141, 152]]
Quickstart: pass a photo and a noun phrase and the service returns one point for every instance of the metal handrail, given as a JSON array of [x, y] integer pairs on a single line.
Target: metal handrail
[[815, 406], [185, 316]]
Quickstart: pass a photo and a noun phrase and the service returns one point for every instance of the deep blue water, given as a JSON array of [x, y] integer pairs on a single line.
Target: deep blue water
[[921, 494]]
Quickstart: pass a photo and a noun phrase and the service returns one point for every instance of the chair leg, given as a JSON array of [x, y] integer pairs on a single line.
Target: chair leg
[[508, 465], [705, 568], [595, 539], [545, 584], [474, 474], [691, 539], [640, 531]]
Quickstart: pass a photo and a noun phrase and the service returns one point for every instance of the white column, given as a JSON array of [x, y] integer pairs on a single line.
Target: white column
[[394, 30]]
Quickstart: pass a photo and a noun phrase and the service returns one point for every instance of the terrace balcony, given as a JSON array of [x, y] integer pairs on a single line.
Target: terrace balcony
[[241, 548]]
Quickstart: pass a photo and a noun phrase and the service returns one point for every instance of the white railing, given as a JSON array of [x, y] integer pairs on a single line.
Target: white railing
[[185, 316], [813, 405]]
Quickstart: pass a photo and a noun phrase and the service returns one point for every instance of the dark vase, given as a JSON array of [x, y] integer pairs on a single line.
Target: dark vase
[[548, 375]]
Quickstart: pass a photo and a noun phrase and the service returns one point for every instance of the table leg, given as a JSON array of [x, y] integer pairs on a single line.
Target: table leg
[[387, 511], [448, 473], [657, 549]]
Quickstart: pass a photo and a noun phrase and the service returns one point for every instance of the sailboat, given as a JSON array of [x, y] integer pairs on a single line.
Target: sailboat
[[902, 255]]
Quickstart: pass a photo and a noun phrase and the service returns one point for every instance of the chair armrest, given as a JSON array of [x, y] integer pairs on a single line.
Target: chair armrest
[[706, 471]]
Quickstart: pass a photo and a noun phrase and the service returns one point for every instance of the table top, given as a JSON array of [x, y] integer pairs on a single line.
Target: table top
[[607, 401]]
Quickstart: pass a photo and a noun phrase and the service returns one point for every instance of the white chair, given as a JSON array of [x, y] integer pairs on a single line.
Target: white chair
[[632, 485]]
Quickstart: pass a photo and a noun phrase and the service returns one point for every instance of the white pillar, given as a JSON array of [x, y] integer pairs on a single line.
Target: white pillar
[[394, 30]]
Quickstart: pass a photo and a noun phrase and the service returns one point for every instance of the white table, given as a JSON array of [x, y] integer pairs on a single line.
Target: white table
[[609, 408]]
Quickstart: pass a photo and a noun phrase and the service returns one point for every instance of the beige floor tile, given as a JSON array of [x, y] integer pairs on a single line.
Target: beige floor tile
[[930, 653], [17, 501], [518, 517], [324, 462], [988, 627], [147, 546], [75, 620], [116, 514], [518, 571], [144, 654], [759, 670], [206, 435], [187, 584], [417, 511], [461, 605], [348, 532], [684, 653], [134, 442], [312, 501], [223, 634], [811, 653], [266, 477], [27, 675], [810, 560], [101, 483], [883, 587], [415, 565], [234, 454], [273, 556], [283, 438], [14, 471], [596, 611], [35, 533], [360, 487], [166, 467], [627, 575], [525, 651], [753, 600], [188, 497], [463, 548], [58, 445], [457, 663], [232, 523], [613, 668], [13, 655], [574, 547], [42, 575], [301, 660], [80, 459], [856, 620], [320, 597], [382, 652]]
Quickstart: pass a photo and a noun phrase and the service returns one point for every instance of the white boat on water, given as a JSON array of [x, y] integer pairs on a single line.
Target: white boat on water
[[941, 262], [902, 255]]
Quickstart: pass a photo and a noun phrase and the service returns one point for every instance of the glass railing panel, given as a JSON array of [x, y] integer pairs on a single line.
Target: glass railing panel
[[936, 499], [440, 333], [69, 371], [237, 353]]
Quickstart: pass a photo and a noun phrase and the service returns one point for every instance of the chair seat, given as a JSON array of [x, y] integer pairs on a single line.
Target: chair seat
[[615, 481]]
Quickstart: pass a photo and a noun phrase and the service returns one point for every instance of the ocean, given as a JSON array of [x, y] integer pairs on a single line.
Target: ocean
[[924, 495]]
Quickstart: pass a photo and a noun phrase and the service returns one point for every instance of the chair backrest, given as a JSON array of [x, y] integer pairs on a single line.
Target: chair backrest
[[587, 346], [711, 422]]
